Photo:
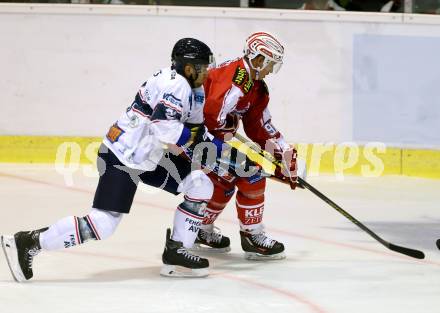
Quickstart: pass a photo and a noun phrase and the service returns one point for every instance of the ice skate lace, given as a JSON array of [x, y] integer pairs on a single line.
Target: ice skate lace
[[212, 236], [263, 241], [30, 256], [188, 255]]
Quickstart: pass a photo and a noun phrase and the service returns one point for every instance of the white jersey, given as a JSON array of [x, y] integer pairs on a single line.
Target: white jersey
[[155, 118]]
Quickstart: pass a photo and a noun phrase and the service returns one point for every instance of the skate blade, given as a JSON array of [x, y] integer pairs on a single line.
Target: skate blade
[[203, 248], [178, 271], [10, 251], [261, 257]]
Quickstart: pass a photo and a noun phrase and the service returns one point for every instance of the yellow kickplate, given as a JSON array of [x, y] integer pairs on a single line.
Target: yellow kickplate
[[421, 163], [46, 149], [367, 161]]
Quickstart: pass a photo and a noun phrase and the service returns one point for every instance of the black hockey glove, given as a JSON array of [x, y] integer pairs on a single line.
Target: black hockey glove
[[197, 135]]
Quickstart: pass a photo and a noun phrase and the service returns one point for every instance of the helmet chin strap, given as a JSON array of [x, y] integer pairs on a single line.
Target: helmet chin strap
[[256, 69], [257, 74]]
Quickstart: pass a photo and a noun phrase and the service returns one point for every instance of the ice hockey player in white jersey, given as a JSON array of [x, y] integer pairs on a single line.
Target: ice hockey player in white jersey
[[132, 151]]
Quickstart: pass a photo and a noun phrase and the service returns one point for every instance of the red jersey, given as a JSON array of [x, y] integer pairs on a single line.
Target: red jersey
[[229, 89]]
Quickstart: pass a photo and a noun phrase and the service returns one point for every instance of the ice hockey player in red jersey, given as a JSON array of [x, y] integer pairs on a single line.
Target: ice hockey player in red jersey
[[236, 91]]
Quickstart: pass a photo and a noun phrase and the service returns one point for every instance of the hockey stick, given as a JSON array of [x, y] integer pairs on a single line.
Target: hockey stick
[[407, 251]]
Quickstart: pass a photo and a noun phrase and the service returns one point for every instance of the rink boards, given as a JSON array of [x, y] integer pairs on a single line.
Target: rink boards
[[372, 160]]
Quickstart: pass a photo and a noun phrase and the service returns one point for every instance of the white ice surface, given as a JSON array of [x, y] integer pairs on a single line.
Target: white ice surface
[[331, 267]]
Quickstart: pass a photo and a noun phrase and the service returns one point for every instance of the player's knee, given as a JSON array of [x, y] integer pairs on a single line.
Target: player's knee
[[100, 224], [220, 198], [197, 185], [205, 183], [215, 205], [251, 189], [252, 194]]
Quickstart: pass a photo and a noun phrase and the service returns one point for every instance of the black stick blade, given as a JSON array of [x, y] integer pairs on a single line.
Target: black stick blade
[[407, 251], [438, 243]]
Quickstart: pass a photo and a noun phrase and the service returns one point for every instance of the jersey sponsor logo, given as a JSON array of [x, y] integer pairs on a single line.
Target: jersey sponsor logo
[[193, 228], [247, 86], [172, 99], [192, 222], [71, 242], [271, 130], [210, 217], [114, 133], [194, 225], [240, 76], [253, 212], [199, 98], [253, 216]]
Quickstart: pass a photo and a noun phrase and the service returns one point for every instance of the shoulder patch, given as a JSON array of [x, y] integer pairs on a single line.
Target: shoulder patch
[[240, 76], [114, 133]]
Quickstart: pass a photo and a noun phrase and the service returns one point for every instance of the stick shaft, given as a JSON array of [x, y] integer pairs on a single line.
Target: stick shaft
[[303, 183]]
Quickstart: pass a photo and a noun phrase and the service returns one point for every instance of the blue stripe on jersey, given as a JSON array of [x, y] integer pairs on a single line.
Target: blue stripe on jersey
[[184, 137], [219, 145]]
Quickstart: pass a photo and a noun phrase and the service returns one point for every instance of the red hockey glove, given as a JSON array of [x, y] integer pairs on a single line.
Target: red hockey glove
[[287, 172], [232, 121], [228, 130]]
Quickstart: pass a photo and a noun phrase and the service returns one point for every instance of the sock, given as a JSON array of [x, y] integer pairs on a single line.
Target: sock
[[72, 231], [186, 225]]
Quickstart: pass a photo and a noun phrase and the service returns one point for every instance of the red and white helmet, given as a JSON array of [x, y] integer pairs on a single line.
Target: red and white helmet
[[268, 46]]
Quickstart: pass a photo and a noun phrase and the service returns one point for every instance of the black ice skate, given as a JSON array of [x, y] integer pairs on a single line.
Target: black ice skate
[[210, 239], [260, 247], [20, 250], [178, 262]]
